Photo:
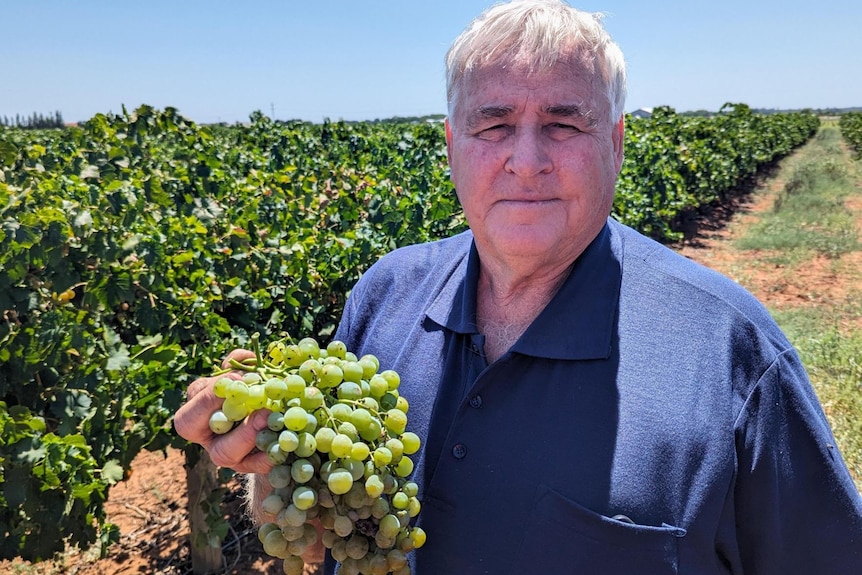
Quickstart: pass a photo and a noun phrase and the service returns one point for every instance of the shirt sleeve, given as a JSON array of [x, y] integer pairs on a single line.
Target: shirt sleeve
[[798, 510]]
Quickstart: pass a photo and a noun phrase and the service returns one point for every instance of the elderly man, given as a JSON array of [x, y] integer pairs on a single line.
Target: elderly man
[[589, 401]]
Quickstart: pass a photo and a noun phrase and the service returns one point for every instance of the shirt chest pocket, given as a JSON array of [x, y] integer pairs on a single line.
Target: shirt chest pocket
[[562, 537]]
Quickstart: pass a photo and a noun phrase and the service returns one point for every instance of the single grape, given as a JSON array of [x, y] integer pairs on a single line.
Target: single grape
[[404, 467], [274, 544], [295, 385], [379, 508], [382, 456], [265, 529], [340, 481], [359, 451], [293, 565], [309, 347], [256, 397], [296, 418], [220, 386], [417, 534], [279, 476], [410, 489], [275, 421], [302, 471], [337, 349], [219, 422], [349, 430], [383, 541], [352, 371], [288, 441], [357, 547], [410, 441], [401, 404], [349, 390], [377, 386], [251, 378], [304, 498], [341, 445], [400, 501], [390, 526], [272, 504], [275, 455], [341, 412], [377, 565], [235, 409], [306, 446], [374, 486], [343, 526], [331, 375], [265, 438], [360, 418], [392, 378], [311, 399], [309, 370], [275, 388], [373, 433], [396, 559], [414, 506], [395, 422], [324, 437], [293, 515], [369, 365], [329, 538]]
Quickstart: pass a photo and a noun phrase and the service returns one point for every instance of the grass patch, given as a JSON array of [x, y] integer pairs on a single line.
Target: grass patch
[[812, 217], [810, 213], [833, 359]]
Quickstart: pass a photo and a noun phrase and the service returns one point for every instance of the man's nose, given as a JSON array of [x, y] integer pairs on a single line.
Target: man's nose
[[528, 155]]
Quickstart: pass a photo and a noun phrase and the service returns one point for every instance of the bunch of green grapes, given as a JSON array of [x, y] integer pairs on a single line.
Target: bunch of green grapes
[[337, 438]]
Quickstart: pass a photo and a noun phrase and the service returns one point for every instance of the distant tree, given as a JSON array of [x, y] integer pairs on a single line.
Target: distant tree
[[36, 121]]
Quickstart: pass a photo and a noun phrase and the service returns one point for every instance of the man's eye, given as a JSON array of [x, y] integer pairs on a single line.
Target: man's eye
[[560, 131], [494, 132]]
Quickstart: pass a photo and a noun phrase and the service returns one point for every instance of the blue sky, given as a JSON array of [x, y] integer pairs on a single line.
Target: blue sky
[[364, 59]]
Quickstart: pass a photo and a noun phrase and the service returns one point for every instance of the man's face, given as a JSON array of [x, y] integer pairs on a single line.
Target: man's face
[[534, 159]]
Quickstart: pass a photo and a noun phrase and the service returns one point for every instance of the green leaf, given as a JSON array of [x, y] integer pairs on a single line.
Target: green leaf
[[90, 171], [8, 153], [119, 359], [112, 472]]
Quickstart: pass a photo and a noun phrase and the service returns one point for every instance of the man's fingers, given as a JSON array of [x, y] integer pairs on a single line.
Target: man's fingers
[[192, 419], [236, 449]]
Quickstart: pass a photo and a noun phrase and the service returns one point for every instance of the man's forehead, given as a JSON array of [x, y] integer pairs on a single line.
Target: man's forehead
[[558, 85]]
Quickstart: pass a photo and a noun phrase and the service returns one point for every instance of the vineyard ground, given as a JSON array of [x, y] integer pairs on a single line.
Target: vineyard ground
[[150, 507]]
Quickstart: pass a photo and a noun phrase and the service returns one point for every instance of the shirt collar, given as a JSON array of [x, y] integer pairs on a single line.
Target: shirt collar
[[577, 324]]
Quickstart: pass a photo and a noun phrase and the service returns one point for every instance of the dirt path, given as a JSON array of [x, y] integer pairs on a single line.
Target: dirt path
[[150, 508], [813, 281]]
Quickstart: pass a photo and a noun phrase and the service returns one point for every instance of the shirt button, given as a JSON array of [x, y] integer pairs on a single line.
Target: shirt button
[[476, 401], [459, 451]]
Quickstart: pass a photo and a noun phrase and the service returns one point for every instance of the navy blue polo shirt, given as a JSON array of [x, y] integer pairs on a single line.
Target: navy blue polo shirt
[[652, 419]]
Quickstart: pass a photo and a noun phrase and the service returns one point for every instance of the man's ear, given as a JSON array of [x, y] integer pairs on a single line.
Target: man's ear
[[618, 138], [448, 128]]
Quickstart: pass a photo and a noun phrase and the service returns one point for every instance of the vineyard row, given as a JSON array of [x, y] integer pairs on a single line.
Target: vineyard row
[[137, 249]]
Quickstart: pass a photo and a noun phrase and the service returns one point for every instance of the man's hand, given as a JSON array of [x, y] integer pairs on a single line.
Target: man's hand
[[235, 449]]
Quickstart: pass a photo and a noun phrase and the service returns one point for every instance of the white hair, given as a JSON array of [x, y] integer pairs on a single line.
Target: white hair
[[538, 34]]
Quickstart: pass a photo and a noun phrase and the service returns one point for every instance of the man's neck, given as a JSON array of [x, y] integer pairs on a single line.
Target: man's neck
[[508, 304]]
